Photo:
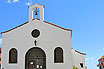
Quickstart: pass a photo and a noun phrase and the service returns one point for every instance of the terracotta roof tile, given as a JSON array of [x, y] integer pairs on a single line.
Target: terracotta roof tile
[[57, 26], [14, 28], [37, 19], [80, 52]]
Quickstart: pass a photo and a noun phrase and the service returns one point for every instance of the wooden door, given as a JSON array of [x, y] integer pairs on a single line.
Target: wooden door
[[35, 59]]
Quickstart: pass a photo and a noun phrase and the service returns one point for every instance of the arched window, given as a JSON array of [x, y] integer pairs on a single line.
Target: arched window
[[58, 55], [13, 56]]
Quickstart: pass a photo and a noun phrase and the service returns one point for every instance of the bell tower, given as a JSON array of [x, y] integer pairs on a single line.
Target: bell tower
[[35, 6]]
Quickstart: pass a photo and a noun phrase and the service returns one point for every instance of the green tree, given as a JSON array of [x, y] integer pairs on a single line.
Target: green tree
[[75, 67]]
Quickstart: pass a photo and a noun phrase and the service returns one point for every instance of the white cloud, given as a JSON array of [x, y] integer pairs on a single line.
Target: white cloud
[[89, 59], [15, 0], [0, 41], [29, 3], [90, 63], [9, 1]]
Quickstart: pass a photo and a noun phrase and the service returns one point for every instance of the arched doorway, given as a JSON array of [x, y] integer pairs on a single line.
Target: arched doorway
[[35, 58]]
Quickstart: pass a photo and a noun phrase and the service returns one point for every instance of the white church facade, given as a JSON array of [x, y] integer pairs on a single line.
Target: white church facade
[[38, 44]]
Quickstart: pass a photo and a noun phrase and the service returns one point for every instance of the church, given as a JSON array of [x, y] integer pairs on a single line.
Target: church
[[38, 44]]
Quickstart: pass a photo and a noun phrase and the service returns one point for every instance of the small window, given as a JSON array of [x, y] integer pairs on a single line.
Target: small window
[[81, 64], [35, 33], [13, 56], [58, 55]]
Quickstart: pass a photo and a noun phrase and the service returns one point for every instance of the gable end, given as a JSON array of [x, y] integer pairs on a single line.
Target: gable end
[[37, 19]]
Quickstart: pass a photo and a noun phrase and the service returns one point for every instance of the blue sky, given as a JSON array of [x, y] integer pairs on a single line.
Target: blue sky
[[84, 17]]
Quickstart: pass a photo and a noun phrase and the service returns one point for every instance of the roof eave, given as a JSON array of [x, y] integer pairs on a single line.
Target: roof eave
[[38, 19]]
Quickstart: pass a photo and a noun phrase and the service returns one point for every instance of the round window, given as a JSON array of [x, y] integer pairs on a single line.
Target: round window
[[35, 33]]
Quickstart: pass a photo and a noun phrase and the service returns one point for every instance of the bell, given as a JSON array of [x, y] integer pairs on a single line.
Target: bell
[[36, 12]]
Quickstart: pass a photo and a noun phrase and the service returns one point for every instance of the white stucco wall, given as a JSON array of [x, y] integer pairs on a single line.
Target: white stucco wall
[[77, 59], [50, 38]]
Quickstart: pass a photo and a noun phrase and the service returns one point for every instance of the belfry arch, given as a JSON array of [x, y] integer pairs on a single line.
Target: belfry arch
[[40, 7], [35, 58]]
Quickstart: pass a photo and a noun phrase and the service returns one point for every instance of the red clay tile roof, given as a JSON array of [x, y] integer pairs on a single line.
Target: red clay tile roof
[[57, 26], [37, 19], [80, 52], [14, 28]]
